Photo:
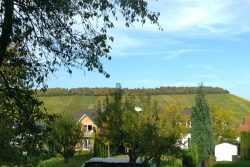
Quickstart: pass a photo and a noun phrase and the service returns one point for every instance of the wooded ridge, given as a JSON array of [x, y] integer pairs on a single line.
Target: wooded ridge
[[102, 91]]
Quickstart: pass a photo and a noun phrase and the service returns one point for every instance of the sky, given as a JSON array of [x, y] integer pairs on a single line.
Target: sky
[[202, 41]]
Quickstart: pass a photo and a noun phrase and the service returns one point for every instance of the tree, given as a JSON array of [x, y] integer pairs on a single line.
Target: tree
[[177, 121], [223, 125], [190, 157], [110, 116], [39, 36], [201, 132], [161, 131], [143, 132], [46, 31], [21, 113], [65, 134]]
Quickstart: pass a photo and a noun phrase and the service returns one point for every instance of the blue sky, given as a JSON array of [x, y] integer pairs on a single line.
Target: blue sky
[[202, 41]]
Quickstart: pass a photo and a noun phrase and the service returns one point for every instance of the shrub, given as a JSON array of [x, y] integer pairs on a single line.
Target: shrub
[[100, 149], [245, 145], [210, 161], [190, 158]]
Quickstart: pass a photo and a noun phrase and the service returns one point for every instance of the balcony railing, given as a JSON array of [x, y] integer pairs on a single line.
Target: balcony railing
[[89, 133]]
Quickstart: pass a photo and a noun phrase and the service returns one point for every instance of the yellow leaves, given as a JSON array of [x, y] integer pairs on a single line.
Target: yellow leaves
[[174, 119], [223, 124]]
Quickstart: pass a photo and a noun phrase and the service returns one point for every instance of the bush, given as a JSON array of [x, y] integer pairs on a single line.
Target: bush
[[210, 161], [190, 158], [245, 145], [100, 149], [171, 163]]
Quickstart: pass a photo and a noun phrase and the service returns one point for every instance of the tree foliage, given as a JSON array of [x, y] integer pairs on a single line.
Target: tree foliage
[[223, 125], [36, 38], [245, 145], [106, 91], [111, 114], [143, 132], [190, 157], [65, 134], [176, 120], [23, 120], [54, 33], [201, 132], [161, 131]]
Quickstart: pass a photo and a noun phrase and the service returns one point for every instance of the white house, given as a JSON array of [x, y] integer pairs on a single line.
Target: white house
[[185, 141], [225, 151]]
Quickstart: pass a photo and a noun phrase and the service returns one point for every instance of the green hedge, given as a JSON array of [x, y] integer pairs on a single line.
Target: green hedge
[[100, 149], [245, 145], [190, 158]]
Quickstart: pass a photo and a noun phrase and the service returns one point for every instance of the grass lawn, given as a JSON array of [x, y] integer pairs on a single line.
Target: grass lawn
[[239, 163], [79, 159]]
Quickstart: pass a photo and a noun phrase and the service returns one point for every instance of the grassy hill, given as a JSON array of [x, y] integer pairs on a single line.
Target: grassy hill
[[230, 103]]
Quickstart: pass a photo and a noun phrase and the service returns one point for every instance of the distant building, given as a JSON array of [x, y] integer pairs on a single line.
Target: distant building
[[87, 120], [187, 112], [245, 126], [185, 141], [225, 151]]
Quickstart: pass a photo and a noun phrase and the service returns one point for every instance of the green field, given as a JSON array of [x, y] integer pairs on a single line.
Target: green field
[[230, 103]]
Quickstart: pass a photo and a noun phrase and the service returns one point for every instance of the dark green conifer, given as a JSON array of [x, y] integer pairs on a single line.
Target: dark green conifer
[[201, 131]]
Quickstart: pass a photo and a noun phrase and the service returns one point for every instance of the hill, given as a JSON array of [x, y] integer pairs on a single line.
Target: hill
[[228, 102]]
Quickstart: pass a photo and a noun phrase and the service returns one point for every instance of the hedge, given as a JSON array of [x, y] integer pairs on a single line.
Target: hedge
[[245, 145]]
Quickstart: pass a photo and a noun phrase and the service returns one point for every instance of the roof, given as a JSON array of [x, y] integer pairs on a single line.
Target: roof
[[187, 111], [226, 144], [245, 127], [113, 160], [91, 113]]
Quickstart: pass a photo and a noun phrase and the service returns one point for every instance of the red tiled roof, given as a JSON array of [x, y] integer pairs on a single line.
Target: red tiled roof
[[245, 127]]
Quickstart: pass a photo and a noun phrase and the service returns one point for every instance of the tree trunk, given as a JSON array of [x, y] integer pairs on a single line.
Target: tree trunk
[[158, 161], [121, 149], [6, 28], [203, 164], [132, 157], [66, 160]]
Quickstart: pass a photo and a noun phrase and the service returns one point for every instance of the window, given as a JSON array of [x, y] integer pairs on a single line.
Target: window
[[89, 127], [85, 143], [85, 127]]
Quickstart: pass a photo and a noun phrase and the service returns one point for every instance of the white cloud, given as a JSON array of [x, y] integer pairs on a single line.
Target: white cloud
[[202, 17], [176, 53]]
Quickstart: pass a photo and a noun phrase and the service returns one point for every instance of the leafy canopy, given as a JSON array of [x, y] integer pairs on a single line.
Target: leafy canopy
[[72, 33], [36, 38], [224, 128], [65, 134], [144, 132]]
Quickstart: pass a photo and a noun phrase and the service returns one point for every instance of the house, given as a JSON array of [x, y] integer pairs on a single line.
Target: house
[[225, 151], [185, 141], [187, 112], [87, 120], [245, 126]]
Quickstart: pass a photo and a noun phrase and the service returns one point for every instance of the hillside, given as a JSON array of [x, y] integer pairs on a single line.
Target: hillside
[[229, 102]]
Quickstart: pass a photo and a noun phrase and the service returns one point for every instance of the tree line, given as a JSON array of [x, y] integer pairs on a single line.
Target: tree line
[[102, 91]]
